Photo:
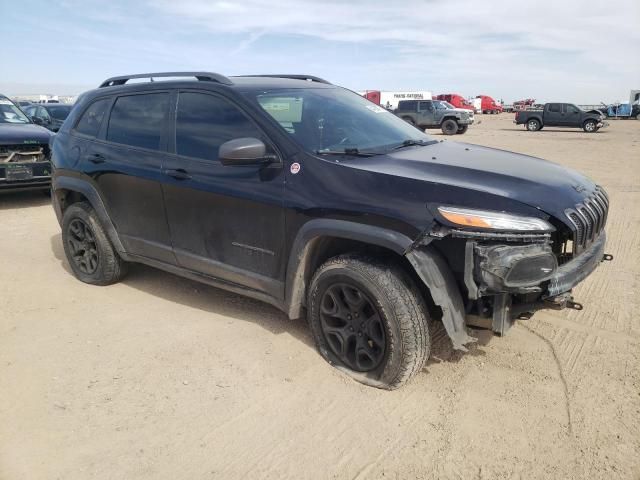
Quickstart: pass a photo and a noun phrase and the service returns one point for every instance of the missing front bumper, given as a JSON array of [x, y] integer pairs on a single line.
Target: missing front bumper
[[490, 276]]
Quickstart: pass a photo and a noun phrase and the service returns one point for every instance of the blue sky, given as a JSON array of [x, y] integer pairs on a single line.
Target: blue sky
[[579, 51]]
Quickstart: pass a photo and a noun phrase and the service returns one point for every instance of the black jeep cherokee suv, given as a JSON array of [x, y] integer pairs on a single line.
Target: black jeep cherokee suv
[[24, 150], [307, 196]]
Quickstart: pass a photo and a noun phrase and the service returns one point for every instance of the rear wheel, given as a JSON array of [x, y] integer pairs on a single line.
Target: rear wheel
[[368, 320], [462, 129], [533, 125], [88, 249], [590, 126], [449, 127]]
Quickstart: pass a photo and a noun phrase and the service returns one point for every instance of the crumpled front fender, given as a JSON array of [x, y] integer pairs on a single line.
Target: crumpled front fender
[[437, 277]]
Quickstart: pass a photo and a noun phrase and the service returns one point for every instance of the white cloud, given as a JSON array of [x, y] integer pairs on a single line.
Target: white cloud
[[583, 47]]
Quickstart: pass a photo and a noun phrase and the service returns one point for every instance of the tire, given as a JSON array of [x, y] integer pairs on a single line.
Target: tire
[[449, 127], [638, 116], [392, 345], [462, 129], [590, 126], [409, 120], [89, 251], [533, 125]]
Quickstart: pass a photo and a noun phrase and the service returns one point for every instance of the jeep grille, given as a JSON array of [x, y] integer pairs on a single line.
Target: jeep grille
[[589, 219]]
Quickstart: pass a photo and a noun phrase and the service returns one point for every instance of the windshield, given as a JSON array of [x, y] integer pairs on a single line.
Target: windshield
[[59, 113], [335, 119], [9, 113]]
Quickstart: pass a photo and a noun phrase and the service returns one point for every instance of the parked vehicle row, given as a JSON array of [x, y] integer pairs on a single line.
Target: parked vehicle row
[[305, 195]]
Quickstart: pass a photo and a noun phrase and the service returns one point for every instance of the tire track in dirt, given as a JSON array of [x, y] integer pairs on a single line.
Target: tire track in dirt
[[560, 374]]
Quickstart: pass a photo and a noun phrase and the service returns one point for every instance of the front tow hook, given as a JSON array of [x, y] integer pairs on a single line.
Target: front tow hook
[[562, 301], [574, 305], [607, 257]]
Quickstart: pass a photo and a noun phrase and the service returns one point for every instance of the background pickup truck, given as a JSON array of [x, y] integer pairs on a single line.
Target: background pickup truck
[[434, 114], [561, 115]]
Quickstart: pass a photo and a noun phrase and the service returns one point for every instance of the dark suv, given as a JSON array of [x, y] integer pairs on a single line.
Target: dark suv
[[307, 196], [24, 150]]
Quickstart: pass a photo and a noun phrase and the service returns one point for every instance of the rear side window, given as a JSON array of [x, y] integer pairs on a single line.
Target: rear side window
[[408, 105], [138, 120], [554, 107], [91, 119], [204, 122]]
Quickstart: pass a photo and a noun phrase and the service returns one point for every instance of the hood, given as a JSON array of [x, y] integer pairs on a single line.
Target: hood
[[461, 110], [537, 183], [13, 133]]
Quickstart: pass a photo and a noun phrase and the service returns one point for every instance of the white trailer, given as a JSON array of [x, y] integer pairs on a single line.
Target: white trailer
[[390, 99]]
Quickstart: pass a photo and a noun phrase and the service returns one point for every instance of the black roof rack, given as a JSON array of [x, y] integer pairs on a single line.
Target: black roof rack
[[308, 78], [201, 76]]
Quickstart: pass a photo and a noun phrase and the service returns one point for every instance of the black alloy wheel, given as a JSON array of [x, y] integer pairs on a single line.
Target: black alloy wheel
[[352, 327], [83, 247]]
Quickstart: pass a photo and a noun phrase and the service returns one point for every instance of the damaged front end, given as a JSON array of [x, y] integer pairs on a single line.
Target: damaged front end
[[495, 278]]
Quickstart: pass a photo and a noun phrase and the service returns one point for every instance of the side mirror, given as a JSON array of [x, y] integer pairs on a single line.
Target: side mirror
[[243, 151], [37, 120]]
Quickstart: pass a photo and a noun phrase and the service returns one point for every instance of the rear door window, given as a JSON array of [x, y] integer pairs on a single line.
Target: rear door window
[[91, 119], [139, 120], [554, 107], [411, 105], [204, 122]]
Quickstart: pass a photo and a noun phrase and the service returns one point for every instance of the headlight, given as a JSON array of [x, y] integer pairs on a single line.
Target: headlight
[[467, 217]]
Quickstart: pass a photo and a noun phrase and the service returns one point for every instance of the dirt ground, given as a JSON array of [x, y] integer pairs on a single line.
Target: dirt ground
[[162, 378]]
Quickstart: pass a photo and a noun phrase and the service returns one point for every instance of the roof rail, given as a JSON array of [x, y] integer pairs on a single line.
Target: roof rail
[[308, 78], [201, 76]]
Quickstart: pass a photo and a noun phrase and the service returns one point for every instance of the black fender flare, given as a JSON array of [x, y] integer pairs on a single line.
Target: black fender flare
[[304, 243], [89, 191], [432, 268]]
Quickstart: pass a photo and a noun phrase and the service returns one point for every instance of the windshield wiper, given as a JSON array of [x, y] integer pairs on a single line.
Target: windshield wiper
[[414, 143], [353, 152]]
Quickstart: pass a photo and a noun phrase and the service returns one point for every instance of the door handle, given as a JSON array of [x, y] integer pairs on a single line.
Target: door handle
[[178, 173], [96, 158]]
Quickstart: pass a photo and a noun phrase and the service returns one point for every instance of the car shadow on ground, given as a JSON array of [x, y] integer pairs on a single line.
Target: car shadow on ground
[[13, 200], [217, 301], [550, 130]]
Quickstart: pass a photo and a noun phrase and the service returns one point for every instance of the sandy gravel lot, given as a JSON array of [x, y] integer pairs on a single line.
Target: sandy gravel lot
[[163, 378]]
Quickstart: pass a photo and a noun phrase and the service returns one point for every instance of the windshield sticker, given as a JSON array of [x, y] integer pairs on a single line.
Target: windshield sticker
[[295, 168], [376, 108], [283, 109], [5, 102]]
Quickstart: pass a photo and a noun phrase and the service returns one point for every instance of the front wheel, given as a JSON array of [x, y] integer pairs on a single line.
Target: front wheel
[[368, 320], [590, 126], [88, 249], [463, 129], [449, 127]]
